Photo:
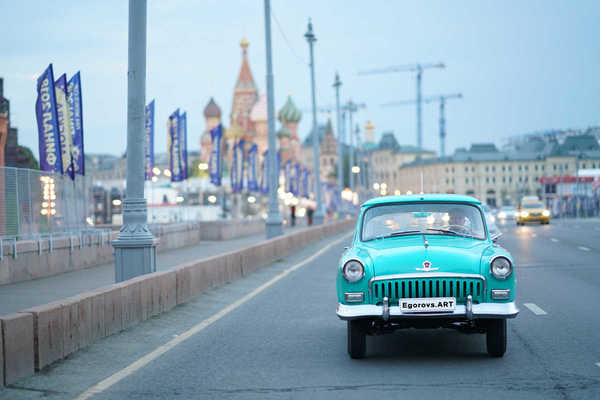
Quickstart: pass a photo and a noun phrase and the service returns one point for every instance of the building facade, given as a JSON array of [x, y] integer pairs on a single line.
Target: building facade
[[498, 177]]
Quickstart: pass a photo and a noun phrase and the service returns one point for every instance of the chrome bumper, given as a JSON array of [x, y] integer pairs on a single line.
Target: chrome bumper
[[484, 310]]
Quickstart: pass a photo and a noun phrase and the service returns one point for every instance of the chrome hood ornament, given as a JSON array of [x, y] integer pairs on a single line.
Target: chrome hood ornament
[[427, 267]]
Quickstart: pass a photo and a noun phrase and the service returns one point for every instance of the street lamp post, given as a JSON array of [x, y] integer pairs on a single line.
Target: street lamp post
[[340, 175], [351, 110], [318, 216], [135, 247], [274, 220]]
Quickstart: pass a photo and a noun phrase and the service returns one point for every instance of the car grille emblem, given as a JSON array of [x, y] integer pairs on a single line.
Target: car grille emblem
[[427, 267]]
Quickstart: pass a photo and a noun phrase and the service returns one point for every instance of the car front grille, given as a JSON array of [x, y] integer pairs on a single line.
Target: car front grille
[[460, 288], [536, 214]]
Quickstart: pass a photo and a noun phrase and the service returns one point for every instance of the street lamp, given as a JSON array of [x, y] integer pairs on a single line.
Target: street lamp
[[135, 248], [274, 220], [318, 216], [336, 84]]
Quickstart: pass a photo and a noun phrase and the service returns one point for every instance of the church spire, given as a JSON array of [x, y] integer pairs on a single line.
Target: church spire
[[245, 79]]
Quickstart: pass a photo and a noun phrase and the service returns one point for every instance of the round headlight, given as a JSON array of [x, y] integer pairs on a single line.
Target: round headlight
[[524, 214], [353, 271], [546, 213], [501, 267]]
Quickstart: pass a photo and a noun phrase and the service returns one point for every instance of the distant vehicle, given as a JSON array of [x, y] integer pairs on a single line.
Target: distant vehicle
[[533, 212], [530, 199], [507, 213], [425, 261]]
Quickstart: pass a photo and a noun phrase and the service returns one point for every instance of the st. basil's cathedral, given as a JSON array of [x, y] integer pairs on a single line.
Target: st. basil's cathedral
[[248, 120]]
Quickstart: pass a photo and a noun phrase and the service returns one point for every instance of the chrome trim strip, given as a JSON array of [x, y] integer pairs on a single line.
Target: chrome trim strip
[[483, 310], [428, 275], [511, 267]]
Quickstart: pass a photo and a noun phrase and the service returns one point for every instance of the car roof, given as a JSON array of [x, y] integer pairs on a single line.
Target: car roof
[[411, 198]]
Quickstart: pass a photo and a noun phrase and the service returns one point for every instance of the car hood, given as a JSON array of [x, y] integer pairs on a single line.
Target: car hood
[[407, 253]]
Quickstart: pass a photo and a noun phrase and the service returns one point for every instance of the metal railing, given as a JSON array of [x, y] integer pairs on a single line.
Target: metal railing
[[34, 203]]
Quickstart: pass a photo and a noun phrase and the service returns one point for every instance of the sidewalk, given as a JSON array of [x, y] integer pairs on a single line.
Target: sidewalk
[[21, 295]]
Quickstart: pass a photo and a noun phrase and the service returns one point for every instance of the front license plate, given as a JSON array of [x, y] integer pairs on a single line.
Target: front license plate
[[428, 305]]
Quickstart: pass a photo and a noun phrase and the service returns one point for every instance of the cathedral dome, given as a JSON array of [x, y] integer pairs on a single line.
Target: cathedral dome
[[259, 111], [284, 132], [289, 112], [212, 110]]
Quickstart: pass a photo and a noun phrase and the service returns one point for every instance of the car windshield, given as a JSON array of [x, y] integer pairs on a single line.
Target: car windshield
[[533, 205], [453, 219]]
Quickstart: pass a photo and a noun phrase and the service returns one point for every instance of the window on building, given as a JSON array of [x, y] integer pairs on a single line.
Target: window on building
[[520, 179], [493, 179], [472, 169], [526, 179], [510, 179], [453, 169], [487, 179], [536, 167], [452, 180], [526, 167], [520, 167], [467, 180], [510, 168], [543, 168], [583, 165], [503, 168], [487, 168], [466, 169], [493, 168], [447, 181], [503, 179]]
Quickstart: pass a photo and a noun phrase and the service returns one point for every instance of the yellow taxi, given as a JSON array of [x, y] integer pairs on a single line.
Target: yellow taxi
[[534, 211]]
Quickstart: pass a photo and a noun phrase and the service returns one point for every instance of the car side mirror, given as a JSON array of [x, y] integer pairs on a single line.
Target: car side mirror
[[496, 236]]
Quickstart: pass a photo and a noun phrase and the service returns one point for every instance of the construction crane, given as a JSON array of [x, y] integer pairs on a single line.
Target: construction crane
[[442, 99], [418, 68]]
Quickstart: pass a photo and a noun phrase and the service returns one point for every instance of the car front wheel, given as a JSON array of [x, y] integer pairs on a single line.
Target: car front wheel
[[357, 338], [496, 337]]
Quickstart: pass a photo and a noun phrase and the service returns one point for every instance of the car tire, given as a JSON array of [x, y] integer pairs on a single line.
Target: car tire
[[496, 337], [357, 338]]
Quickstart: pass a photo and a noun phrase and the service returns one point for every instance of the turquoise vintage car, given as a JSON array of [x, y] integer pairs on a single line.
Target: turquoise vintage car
[[425, 261]]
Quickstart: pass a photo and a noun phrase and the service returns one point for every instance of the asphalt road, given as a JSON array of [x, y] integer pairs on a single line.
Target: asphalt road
[[285, 342]]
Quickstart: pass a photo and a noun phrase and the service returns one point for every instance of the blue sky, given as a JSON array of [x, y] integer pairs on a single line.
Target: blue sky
[[521, 66]]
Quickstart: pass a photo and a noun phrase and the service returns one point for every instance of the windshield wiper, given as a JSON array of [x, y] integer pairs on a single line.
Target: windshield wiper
[[448, 231], [400, 233]]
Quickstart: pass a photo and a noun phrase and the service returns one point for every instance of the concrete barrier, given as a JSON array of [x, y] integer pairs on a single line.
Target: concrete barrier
[[33, 259], [17, 332], [39, 336]]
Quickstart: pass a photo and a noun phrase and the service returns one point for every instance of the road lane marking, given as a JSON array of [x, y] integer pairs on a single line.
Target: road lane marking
[[583, 248], [159, 351], [554, 240], [535, 309]]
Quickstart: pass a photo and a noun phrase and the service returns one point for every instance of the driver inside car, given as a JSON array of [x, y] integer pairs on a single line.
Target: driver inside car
[[459, 222]]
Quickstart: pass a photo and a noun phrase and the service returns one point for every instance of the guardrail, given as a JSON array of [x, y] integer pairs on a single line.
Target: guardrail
[[37, 337], [53, 254]]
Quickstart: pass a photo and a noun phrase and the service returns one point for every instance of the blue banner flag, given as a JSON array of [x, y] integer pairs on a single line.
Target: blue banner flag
[[264, 184], [65, 125], [183, 145], [288, 176], [76, 109], [297, 177], [305, 183], [237, 169], [149, 139], [252, 161], [47, 121], [216, 163], [174, 147]]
